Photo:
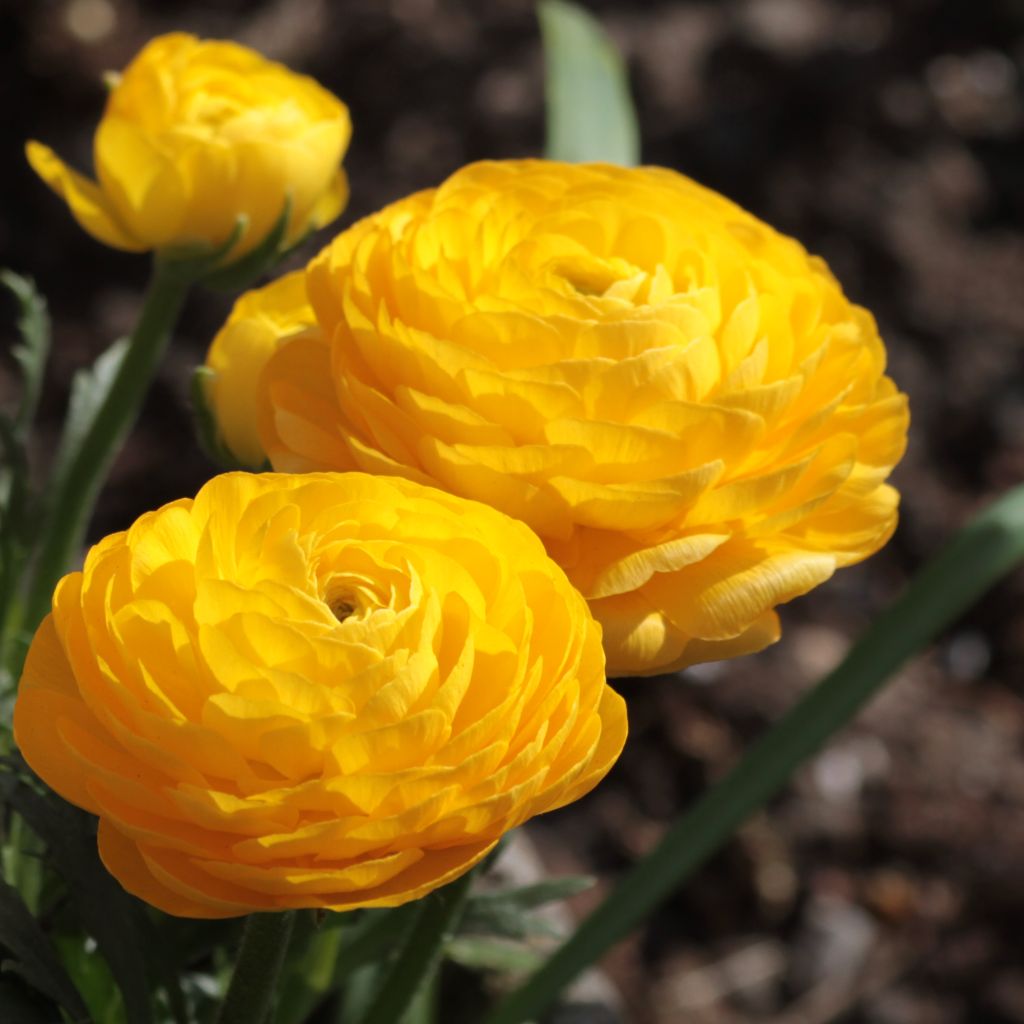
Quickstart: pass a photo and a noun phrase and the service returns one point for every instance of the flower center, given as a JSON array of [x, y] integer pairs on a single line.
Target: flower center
[[342, 600]]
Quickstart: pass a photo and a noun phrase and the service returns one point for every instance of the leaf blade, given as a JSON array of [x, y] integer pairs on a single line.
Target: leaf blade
[[590, 115]]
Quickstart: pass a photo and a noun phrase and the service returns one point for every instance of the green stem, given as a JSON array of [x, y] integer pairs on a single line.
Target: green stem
[[71, 507], [977, 557], [421, 953], [260, 956]]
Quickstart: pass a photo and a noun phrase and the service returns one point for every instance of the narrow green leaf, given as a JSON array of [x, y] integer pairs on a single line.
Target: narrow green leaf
[[34, 958], [114, 919], [93, 978], [590, 114], [89, 388], [486, 954], [420, 955], [324, 959], [977, 557], [34, 346]]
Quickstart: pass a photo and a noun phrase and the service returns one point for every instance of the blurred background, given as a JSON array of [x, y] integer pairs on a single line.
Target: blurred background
[[887, 885]]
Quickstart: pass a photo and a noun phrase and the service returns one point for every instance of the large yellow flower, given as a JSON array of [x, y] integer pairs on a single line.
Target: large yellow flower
[[331, 690], [679, 400], [197, 133]]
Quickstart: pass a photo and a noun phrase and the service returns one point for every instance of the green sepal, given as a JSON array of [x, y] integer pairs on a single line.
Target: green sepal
[[241, 274]]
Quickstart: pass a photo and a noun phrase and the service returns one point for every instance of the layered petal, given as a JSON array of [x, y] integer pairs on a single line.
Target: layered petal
[[328, 691]]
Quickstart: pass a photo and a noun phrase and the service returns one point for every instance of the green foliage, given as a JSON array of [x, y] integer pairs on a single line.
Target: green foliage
[[117, 922], [590, 114], [33, 347], [30, 954], [491, 954], [30, 352], [89, 390]]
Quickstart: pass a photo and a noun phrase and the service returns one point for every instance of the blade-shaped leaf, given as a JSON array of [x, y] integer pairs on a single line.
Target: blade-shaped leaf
[[114, 919], [590, 112], [89, 387], [325, 959], [32, 956]]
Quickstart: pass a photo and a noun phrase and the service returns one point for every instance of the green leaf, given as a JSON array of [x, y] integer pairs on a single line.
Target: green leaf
[[976, 558], [32, 956], [34, 346], [590, 114], [480, 954], [325, 958], [505, 913], [116, 921], [93, 978], [437, 918], [89, 388]]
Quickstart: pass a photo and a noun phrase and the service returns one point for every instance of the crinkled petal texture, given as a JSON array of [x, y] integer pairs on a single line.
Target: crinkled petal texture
[[197, 133], [329, 690], [678, 399]]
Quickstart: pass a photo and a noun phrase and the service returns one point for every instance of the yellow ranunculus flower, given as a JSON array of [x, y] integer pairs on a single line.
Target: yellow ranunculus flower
[[331, 690], [260, 320], [195, 134], [679, 400]]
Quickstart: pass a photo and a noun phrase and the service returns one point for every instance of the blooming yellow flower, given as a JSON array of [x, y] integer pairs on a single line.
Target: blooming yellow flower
[[678, 399], [260, 320], [197, 133], [331, 690]]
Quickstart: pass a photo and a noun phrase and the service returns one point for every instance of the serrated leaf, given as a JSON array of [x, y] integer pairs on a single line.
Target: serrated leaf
[[482, 954], [32, 956], [89, 388], [590, 113], [34, 345], [529, 896], [506, 922], [505, 913], [114, 919]]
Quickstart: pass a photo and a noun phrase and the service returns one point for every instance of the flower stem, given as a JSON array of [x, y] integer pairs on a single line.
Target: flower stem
[[421, 953], [981, 553], [260, 957], [70, 507]]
